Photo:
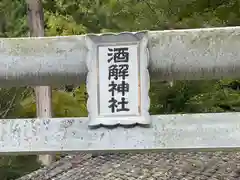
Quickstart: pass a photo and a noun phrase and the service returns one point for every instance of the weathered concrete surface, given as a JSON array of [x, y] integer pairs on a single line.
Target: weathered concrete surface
[[42, 61], [209, 53], [145, 166], [175, 132], [193, 54]]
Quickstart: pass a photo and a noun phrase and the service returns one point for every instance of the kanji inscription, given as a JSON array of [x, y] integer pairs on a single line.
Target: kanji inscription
[[118, 79], [118, 85]]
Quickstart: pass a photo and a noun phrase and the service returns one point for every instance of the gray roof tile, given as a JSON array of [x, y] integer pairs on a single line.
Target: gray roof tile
[[143, 166]]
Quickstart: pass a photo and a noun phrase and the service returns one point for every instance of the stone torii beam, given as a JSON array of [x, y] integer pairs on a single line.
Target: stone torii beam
[[192, 54]]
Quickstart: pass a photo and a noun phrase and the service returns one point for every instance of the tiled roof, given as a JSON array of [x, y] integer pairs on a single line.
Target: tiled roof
[[144, 166]]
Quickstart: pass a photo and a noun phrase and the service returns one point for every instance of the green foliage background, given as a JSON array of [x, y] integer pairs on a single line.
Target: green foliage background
[[73, 17]]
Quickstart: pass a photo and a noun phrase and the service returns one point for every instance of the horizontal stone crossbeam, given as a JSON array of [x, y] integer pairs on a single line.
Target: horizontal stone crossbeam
[[194, 132], [190, 54]]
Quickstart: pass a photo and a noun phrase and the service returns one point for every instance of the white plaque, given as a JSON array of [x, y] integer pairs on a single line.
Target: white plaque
[[118, 79]]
